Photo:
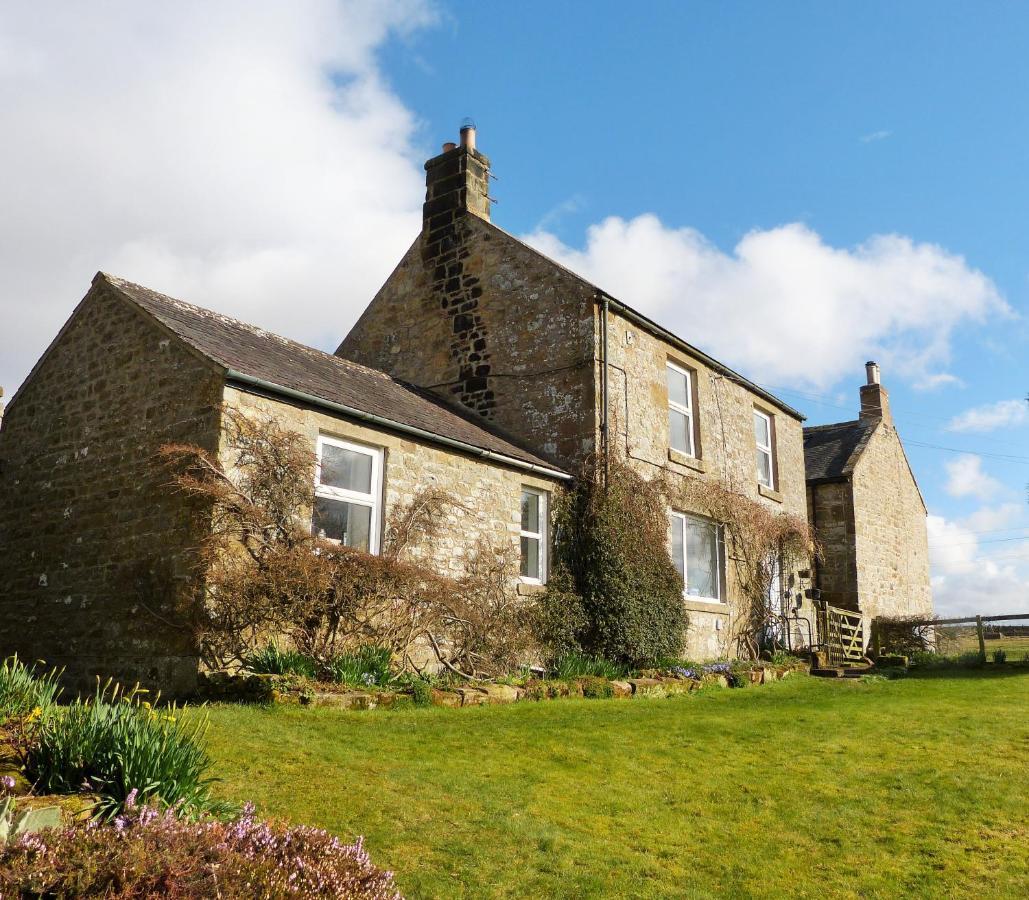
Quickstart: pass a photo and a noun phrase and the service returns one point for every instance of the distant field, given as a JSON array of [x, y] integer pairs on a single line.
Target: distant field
[[964, 640], [806, 788]]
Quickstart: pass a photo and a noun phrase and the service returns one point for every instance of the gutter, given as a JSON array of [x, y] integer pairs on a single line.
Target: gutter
[[627, 312], [268, 387]]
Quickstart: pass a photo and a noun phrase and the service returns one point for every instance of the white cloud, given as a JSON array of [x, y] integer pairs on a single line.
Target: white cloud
[[243, 155], [875, 136], [966, 478], [1002, 414], [930, 382], [970, 579], [785, 306]]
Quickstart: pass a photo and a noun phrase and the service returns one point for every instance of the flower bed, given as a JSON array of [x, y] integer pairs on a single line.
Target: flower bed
[[660, 682]]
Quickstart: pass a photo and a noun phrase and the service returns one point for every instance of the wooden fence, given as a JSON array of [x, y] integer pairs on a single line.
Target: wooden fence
[[984, 635]]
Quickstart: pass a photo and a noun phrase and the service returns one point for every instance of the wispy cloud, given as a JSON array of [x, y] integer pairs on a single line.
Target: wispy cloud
[[1002, 414], [554, 215], [874, 136], [966, 478]]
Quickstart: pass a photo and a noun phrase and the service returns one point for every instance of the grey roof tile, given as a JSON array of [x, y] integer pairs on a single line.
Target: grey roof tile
[[261, 354], [831, 451]]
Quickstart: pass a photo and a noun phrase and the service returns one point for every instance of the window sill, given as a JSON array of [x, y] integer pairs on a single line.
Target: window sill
[[769, 493], [528, 588], [708, 606], [691, 462]]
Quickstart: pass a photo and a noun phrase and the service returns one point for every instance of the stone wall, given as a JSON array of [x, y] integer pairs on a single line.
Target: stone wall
[[638, 399], [831, 514], [488, 496], [890, 531], [92, 540], [488, 324]]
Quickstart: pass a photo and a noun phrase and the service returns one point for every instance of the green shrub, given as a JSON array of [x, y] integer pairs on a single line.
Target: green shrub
[[369, 666], [112, 744], [270, 660], [577, 665], [610, 550], [23, 691], [1000, 656], [421, 692], [596, 688]]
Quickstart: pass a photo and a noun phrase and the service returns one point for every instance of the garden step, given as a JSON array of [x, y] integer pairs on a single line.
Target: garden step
[[827, 672]]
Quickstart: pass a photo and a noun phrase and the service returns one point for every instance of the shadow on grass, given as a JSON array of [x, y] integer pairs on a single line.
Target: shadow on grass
[[989, 671]]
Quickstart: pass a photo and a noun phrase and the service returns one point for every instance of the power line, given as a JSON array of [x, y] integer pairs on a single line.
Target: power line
[[970, 543], [1007, 457]]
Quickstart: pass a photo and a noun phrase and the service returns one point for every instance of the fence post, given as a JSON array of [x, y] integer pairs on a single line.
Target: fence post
[[982, 640]]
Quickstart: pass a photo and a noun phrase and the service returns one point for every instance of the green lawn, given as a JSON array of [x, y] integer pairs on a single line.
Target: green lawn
[[804, 788]]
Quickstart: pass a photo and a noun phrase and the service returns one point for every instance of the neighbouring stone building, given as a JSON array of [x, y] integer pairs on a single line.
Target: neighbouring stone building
[[867, 513], [481, 367]]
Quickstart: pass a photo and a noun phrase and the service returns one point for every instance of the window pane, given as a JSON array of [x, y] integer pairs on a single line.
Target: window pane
[[342, 468], [348, 523], [530, 512], [530, 557], [761, 435], [678, 387], [701, 559], [675, 542], [679, 432], [764, 468]]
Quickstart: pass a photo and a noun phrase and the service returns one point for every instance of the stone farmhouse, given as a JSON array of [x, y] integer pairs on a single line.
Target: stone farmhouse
[[867, 512], [481, 367]]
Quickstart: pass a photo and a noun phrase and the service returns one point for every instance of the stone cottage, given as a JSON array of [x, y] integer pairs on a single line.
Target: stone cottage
[[867, 513], [481, 366]]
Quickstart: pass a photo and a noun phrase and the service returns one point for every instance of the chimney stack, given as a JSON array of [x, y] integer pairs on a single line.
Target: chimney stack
[[875, 402], [456, 182]]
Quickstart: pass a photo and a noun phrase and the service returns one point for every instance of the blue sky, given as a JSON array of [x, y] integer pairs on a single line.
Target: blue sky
[[806, 185]]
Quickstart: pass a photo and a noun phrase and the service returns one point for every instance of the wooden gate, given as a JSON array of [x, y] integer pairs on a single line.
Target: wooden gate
[[842, 635]]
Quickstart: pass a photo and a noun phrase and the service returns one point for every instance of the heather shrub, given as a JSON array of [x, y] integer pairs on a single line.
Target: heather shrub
[[113, 743], [146, 853], [595, 687]]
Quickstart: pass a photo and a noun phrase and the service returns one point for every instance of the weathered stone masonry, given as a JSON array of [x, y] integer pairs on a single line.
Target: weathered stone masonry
[[92, 542]]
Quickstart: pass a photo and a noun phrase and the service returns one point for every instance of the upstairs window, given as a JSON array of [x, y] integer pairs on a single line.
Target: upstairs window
[[534, 536], [696, 548], [680, 409], [764, 439], [347, 494]]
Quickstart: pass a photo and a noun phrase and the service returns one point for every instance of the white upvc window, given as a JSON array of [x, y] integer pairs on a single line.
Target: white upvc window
[[680, 409], [697, 553], [533, 533], [348, 494], [763, 440]]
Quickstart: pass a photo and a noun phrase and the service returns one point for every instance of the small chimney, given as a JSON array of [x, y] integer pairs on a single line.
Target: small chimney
[[456, 182], [875, 402]]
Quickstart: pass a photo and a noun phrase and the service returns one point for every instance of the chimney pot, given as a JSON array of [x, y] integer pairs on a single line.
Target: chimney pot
[[872, 372], [468, 134], [448, 146]]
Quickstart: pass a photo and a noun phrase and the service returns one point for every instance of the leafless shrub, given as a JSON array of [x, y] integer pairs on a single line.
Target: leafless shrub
[[263, 574]]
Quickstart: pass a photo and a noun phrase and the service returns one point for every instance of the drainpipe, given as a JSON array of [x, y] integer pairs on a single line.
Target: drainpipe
[[604, 436]]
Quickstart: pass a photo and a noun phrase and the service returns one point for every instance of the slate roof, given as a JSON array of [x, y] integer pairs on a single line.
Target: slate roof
[[832, 451], [283, 363]]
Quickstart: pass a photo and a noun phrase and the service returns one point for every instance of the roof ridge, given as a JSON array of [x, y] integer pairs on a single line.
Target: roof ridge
[[834, 424]]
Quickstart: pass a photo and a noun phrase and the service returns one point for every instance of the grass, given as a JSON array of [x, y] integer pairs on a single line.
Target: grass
[[803, 788]]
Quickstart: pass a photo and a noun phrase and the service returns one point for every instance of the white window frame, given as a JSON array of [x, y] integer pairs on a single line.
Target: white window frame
[[540, 536], [766, 450], [373, 499], [679, 520], [687, 410]]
